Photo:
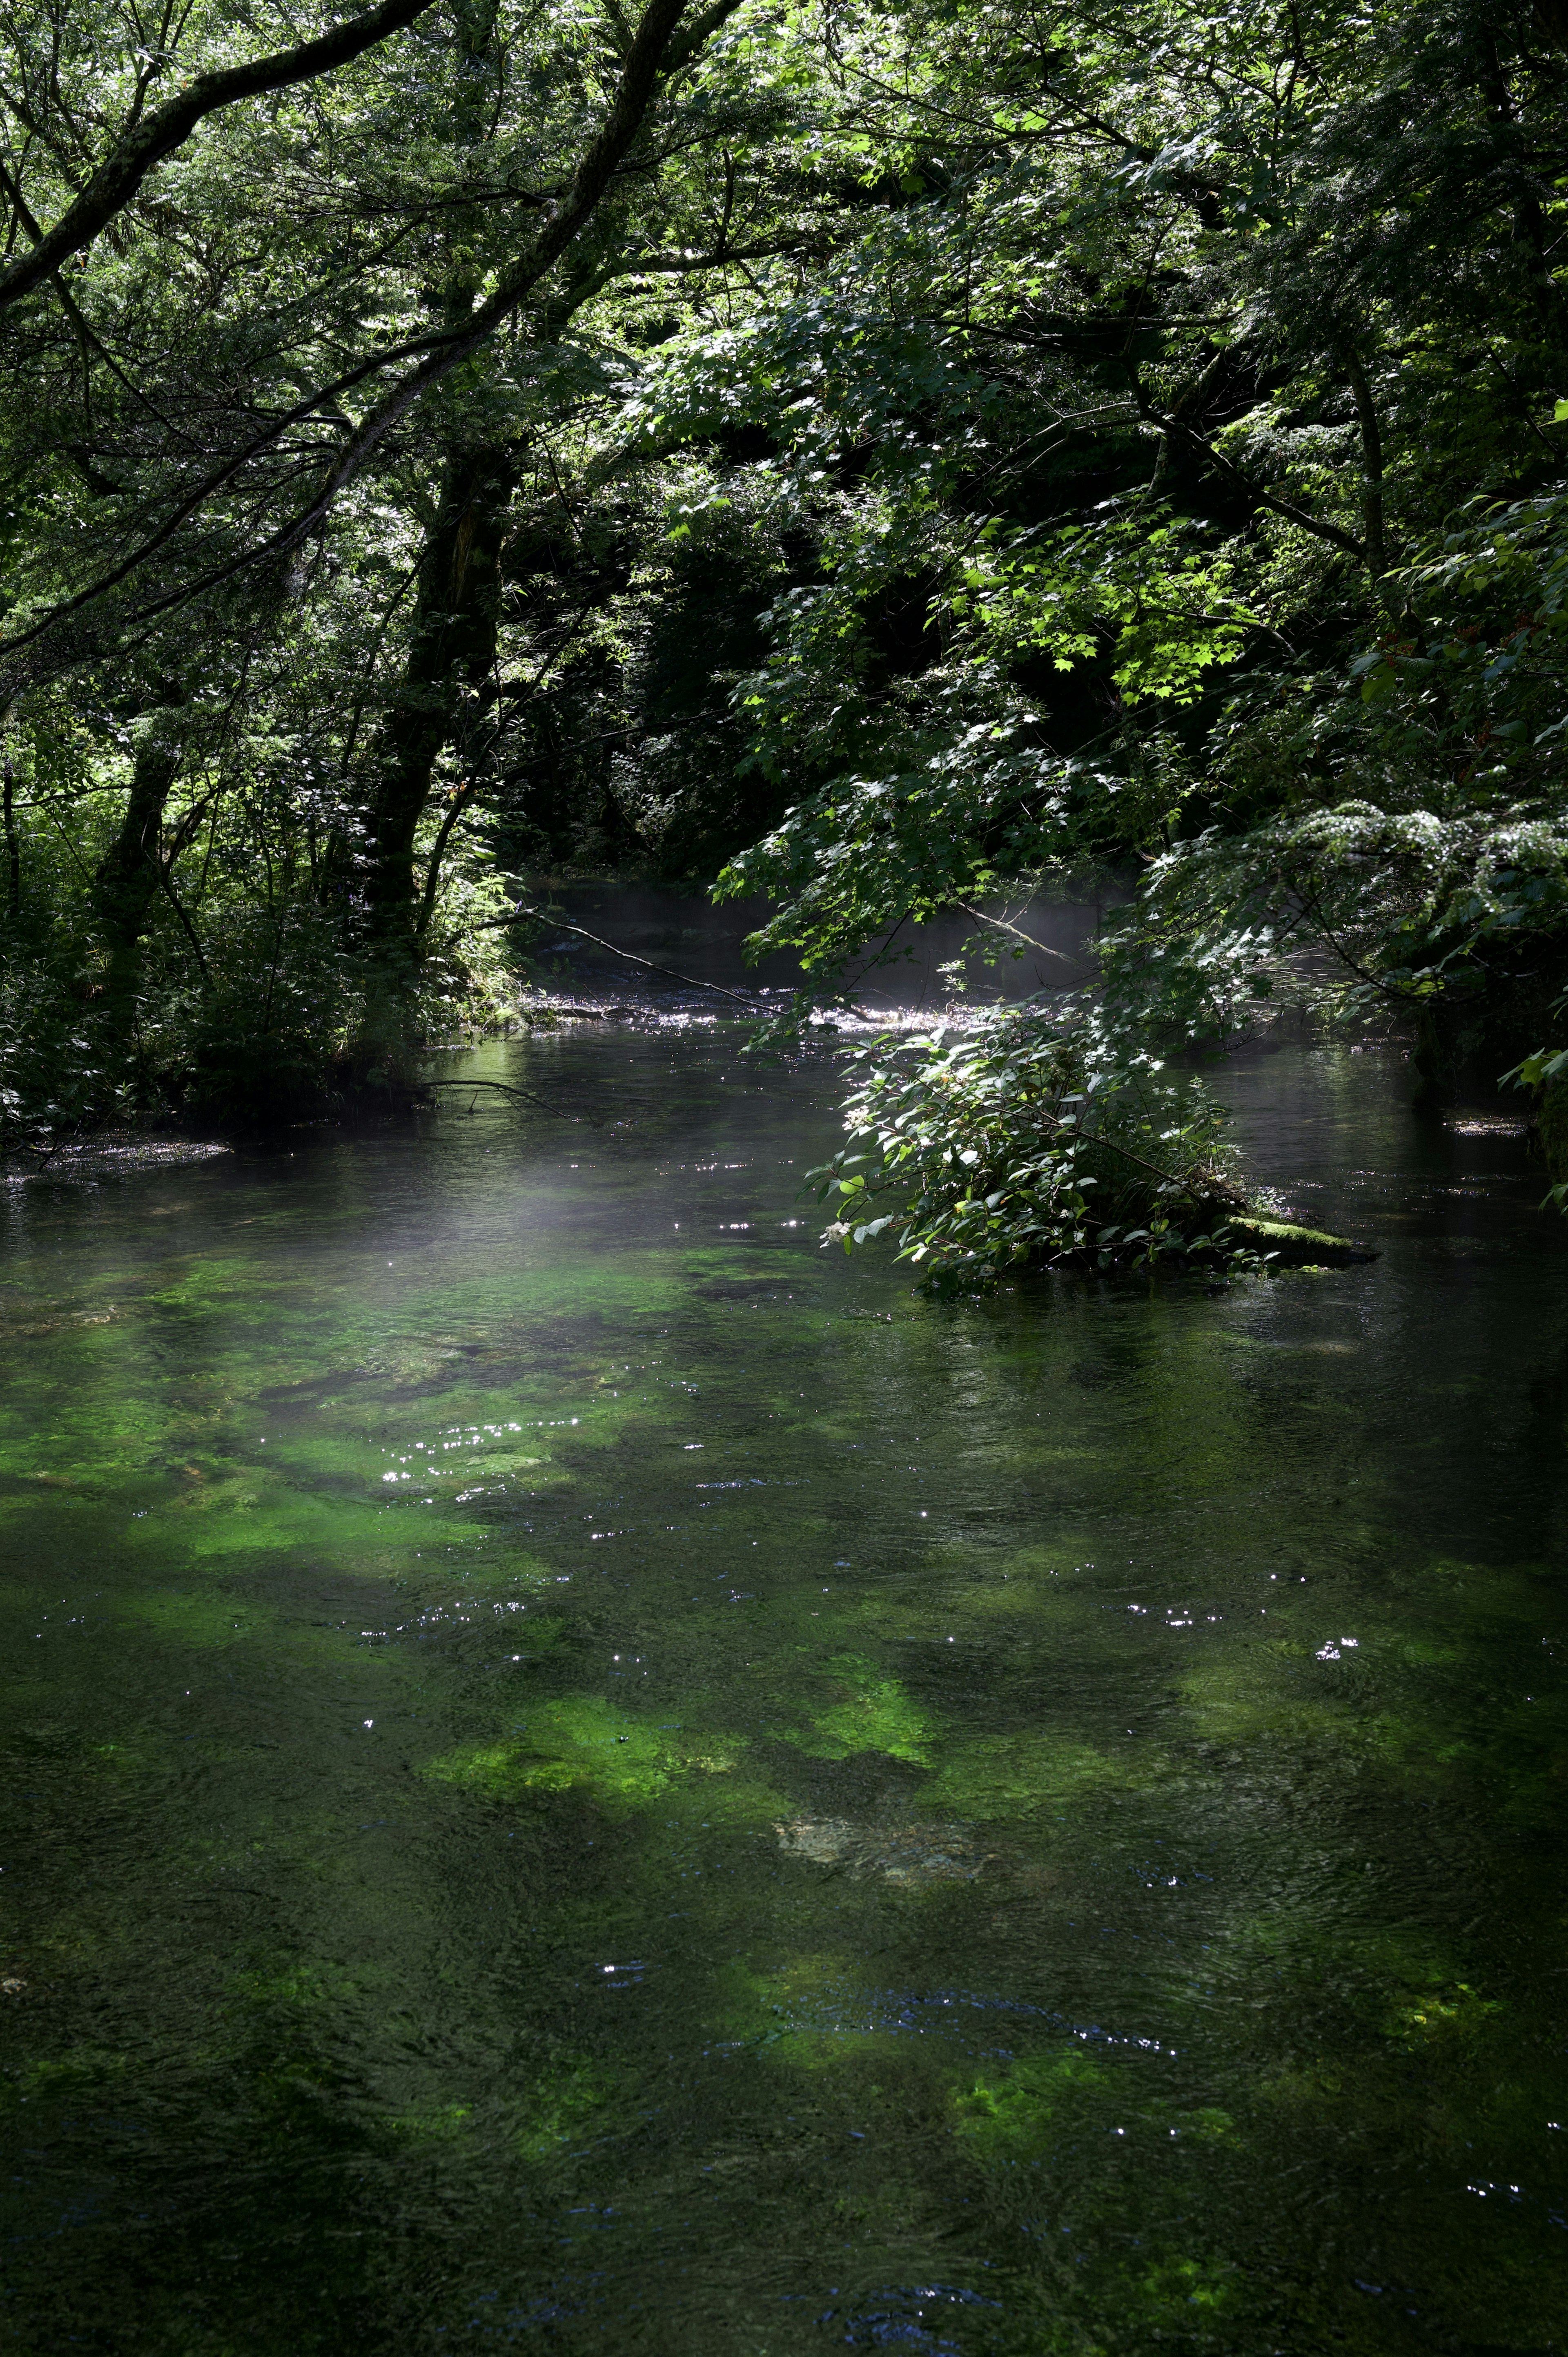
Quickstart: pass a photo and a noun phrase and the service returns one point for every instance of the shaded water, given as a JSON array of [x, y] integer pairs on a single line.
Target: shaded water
[[681, 933], [584, 1777]]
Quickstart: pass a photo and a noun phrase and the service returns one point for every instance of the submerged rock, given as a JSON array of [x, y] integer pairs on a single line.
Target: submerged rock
[[897, 1852]]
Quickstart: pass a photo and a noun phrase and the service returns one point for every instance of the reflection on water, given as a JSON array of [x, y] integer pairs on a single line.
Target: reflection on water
[[584, 1776]]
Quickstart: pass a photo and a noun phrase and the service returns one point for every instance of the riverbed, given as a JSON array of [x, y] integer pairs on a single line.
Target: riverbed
[[584, 1775]]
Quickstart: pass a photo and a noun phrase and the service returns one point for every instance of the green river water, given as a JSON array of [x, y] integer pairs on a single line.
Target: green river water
[[582, 1776]]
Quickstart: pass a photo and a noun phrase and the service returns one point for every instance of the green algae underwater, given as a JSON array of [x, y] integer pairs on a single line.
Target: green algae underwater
[[584, 1776]]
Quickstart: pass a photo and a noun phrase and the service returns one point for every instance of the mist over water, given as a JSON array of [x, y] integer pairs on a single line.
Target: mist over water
[[584, 1775], [1032, 943]]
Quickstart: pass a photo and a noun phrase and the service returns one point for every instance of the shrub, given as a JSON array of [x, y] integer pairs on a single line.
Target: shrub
[[1022, 1138]]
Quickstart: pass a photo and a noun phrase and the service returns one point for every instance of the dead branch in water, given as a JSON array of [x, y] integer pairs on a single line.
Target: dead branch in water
[[526, 1096]]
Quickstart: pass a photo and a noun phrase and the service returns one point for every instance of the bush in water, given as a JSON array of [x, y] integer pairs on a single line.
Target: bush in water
[[1021, 1138]]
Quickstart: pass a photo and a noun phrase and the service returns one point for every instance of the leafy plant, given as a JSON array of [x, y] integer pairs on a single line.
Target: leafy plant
[[1021, 1139]]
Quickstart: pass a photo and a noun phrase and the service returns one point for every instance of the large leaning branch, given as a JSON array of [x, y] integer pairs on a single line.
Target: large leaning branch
[[135, 155], [648, 55], [654, 53], [518, 915]]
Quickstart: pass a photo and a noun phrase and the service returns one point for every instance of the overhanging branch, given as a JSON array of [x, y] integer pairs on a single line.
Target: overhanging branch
[[157, 135], [654, 54]]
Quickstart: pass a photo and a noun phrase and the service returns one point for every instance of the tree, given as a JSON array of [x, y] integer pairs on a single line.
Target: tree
[[182, 441]]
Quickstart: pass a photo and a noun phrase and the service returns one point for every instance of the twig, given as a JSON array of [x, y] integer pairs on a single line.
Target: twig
[[1187, 1185], [982, 918], [1097, 1138], [177, 905], [527, 1096], [688, 981]]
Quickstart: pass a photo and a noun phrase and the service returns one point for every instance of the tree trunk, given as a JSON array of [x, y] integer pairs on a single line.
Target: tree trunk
[[445, 684], [451, 654], [1552, 1120], [13, 842], [128, 877]]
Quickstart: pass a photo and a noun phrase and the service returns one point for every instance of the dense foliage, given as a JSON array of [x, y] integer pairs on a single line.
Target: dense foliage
[[882, 454], [1019, 1139]]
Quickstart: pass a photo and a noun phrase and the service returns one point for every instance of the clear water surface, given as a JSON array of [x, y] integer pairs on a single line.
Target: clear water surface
[[582, 1776]]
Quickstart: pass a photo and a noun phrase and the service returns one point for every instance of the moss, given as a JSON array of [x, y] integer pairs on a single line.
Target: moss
[[874, 1714], [1454, 2011], [1010, 1775], [1291, 1246], [817, 2015], [1005, 2117], [204, 1619], [438, 2123], [579, 1742], [1173, 2287], [563, 2102]]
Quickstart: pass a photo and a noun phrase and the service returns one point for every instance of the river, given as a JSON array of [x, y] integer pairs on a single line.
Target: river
[[584, 1776]]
